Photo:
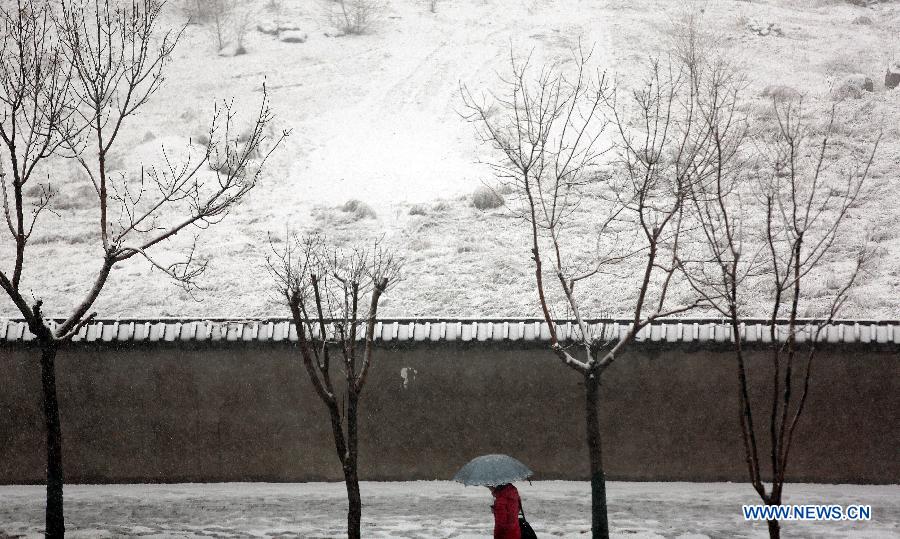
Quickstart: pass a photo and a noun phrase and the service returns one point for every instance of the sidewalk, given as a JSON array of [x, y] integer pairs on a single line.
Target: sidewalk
[[427, 509]]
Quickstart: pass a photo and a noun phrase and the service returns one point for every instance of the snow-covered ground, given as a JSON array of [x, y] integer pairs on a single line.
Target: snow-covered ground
[[376, 117], [430, 509]]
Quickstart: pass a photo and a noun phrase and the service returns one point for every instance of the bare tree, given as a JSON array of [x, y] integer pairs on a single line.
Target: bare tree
[[353, 17], [772, 249], [221, 12], [229, 22], [546, 133], [333, 297], [227, 19], [70, 84]]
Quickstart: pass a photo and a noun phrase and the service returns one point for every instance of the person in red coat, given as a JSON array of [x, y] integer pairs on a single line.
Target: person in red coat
[[506, 512]]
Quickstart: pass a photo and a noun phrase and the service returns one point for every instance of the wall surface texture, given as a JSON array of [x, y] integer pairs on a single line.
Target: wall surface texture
[[166, 413]]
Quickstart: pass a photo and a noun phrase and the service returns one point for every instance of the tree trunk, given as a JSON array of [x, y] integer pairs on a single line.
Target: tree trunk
[[351, 468], [55, 522], [599, 522], [774, 525], [354, 502]]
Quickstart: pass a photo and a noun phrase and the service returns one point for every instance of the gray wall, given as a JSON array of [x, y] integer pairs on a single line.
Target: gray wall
[[244, 413]]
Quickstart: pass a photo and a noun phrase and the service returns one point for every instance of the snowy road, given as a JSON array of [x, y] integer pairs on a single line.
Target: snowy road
[[427, 510]]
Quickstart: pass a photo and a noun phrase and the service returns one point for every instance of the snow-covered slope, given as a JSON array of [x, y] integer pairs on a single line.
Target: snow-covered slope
[[376, 117]]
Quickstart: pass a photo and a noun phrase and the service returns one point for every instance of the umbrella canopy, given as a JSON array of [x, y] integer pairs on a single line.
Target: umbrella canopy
[[492, 470]]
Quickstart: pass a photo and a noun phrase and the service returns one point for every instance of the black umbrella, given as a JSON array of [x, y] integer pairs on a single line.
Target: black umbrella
[[492, 470]]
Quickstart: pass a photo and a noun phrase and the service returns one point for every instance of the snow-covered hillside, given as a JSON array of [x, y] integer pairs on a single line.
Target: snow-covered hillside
[[375, 117]]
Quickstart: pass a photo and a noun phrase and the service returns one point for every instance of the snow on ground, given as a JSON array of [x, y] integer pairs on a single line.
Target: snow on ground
[[430, 509], [376, 117]]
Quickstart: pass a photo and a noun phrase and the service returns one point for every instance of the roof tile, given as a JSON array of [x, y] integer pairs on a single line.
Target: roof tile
[[125, 331], [171, 331], [94, 331], [276, 330], [157, 331], [500, 331], [202, 331], [421, 331], [883, 334], [436, 330], [141, 331], [13, 331], [108, 331], [544, 333], [467, 331], [484, 330]]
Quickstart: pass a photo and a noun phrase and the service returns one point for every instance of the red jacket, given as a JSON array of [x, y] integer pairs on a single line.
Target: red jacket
[[506, 513]]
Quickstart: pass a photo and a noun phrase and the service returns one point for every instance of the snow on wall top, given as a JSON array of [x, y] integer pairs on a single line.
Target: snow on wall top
[[456, 330]]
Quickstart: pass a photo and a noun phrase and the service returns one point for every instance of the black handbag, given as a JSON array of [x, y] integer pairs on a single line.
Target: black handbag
[[524, 527]]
